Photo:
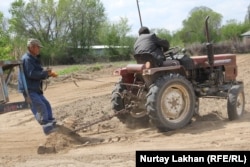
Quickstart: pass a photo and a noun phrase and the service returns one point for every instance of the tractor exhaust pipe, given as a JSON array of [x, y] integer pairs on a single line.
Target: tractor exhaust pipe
[[209, 45]]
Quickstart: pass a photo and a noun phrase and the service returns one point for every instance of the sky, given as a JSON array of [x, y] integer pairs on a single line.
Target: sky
[[167, 14]]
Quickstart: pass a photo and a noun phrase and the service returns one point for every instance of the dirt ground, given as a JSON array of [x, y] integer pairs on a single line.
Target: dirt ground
[[110, 143]]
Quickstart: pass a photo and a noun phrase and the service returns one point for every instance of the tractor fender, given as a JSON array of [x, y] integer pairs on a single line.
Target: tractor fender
[[176, 69]]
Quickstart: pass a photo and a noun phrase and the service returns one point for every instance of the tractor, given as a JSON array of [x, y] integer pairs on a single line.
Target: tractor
[[168, 96]]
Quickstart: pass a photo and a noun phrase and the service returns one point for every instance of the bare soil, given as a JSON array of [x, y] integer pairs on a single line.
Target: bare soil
[[110, 143]]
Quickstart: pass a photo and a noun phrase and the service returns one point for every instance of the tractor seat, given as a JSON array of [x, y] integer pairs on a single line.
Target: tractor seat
[[147, 57]]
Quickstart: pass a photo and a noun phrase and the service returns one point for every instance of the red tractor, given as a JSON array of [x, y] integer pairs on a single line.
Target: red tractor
[[169, 95]]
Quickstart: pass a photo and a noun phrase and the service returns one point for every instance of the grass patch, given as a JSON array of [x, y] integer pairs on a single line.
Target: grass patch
[[93, 67], [72, 69]]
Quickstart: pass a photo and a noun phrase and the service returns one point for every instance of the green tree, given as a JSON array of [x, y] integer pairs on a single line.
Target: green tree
[[194, 29], [85, 21], [115, 36], [232, 30], [5, 47], [177, 39], [58, 24]]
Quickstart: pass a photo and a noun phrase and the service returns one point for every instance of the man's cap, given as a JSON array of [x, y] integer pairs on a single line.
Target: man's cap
[[33, 41], [144, 30]]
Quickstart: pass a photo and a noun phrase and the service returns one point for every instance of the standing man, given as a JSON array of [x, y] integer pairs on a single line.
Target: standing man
[[34, 74], [149, 43]]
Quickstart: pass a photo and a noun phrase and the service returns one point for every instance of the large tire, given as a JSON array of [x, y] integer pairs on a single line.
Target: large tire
[[118, 103], [236, 102], [171, 102]]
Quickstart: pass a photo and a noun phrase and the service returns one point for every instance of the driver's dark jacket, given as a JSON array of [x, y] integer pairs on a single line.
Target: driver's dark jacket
[[34, 74], [150, 43]]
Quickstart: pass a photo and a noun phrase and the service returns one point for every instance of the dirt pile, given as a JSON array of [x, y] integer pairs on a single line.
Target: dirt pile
[[74, 116]]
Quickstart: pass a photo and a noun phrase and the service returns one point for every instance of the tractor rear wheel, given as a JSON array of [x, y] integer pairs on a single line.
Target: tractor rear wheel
[[171, 102], [118, 103], [236, 102]]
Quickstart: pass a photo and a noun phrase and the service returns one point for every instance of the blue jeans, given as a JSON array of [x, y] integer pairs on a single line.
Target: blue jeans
[[42, 111], [41, 108]]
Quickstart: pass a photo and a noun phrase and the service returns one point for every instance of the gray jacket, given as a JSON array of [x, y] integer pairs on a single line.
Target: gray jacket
[[150, 43]]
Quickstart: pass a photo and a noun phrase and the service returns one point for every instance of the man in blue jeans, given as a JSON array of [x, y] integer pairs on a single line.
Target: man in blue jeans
[[34, 74]]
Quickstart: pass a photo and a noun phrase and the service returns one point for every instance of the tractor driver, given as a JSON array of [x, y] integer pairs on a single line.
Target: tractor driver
[[149, 43]]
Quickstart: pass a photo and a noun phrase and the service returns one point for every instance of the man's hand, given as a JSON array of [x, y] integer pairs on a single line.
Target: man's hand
[[51, 73], [54, 74]]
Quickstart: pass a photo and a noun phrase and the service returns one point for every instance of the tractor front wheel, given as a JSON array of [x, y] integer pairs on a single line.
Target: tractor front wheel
[[236, 102]]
